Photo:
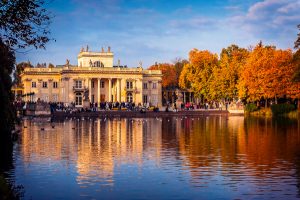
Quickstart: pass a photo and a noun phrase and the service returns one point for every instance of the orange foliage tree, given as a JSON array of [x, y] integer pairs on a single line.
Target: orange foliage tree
[[197, 73], [267, 73], [169, 74]]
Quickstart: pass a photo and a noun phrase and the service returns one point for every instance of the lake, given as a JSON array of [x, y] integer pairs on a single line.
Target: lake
[[207, 157]]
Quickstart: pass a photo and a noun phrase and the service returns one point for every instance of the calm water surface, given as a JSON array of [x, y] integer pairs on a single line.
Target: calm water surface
[[173, 158]]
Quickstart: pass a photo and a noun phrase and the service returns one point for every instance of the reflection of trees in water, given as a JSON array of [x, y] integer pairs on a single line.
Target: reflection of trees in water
[[264, 146], [231, 147]]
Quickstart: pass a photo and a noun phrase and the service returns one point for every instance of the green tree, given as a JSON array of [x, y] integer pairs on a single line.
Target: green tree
[[224, 81], [19, 70], [178, 66], [297, 42], [50, 65], [196, 75], [23, 23]]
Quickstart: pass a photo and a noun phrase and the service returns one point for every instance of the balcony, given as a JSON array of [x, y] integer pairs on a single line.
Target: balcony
[[79, 89], [132, 89]]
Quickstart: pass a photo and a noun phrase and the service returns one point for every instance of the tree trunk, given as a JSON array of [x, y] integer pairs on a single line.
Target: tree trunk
[[275, 99], [298, 104], [266, 103]]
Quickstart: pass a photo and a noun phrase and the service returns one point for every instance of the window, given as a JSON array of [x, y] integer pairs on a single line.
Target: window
[[154, 85], [145, 85], [78, 99], [45, 84], [145, 99], [102, 84], [78, 84], [129, 97], [97, 64], [33, 84], [93, 84], [55, 84], [129, 85]]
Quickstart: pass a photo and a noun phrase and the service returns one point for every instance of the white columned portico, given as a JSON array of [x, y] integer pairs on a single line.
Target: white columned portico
[[109, 90], [98, 92]]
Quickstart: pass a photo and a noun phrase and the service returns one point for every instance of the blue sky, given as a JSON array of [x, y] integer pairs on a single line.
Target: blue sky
[[163, 30]]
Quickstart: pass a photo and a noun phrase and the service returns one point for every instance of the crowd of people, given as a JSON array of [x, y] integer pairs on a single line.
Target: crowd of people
[[128, 106]]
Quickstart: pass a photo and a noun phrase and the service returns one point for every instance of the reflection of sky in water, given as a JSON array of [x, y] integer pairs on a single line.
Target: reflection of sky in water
[[207, 157]]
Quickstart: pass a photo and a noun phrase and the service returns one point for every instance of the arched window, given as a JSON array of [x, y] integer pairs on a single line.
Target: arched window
[[129, 97]]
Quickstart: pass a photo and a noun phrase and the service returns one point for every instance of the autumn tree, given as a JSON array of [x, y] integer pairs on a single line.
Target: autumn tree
[[197, 73], [267, 73], [168, 72], [224, 81]]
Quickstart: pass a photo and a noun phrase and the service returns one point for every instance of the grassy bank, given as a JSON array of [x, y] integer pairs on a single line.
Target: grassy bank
[[282, 110]]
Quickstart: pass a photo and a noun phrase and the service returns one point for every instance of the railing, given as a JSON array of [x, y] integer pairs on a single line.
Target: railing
[[79, 88], [96, 69]]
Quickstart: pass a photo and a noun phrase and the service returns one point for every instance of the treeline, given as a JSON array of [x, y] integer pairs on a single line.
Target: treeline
[[254, 74]]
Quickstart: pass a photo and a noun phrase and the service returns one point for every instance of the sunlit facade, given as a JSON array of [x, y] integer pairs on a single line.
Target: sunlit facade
[[93, 80]]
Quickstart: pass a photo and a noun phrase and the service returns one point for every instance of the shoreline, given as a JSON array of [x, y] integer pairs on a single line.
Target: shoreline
[[135, 114]]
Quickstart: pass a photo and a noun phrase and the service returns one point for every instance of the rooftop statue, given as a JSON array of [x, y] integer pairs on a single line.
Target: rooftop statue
[[67, 62]]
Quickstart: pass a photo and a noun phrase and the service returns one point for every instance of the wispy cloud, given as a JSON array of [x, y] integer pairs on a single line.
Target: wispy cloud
[[151, 30]]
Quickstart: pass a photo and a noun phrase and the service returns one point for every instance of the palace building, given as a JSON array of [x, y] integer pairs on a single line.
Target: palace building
[[95, 79]]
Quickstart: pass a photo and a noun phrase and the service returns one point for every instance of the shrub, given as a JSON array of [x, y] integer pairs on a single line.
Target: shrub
[[251, 107], [279, 109]]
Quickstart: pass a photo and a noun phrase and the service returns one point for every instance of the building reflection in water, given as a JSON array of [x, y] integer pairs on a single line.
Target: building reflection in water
[[97, 146], [234, 149]]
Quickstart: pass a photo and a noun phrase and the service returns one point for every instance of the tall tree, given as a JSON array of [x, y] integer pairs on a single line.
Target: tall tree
[[197, 73], [294, 89], [168, 72], [297, 42], [23, 23], [267, 73], [178, 65], [224, 82], [19, 70]]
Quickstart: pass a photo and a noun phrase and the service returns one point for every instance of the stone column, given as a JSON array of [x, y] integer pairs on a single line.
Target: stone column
[[39, 95], [109, 90], [118, 90], [90, 89], [50, 86], [98, 94], [134, 91]]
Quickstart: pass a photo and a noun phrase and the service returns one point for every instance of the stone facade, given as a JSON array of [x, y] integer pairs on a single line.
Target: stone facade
[[94, 80]]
